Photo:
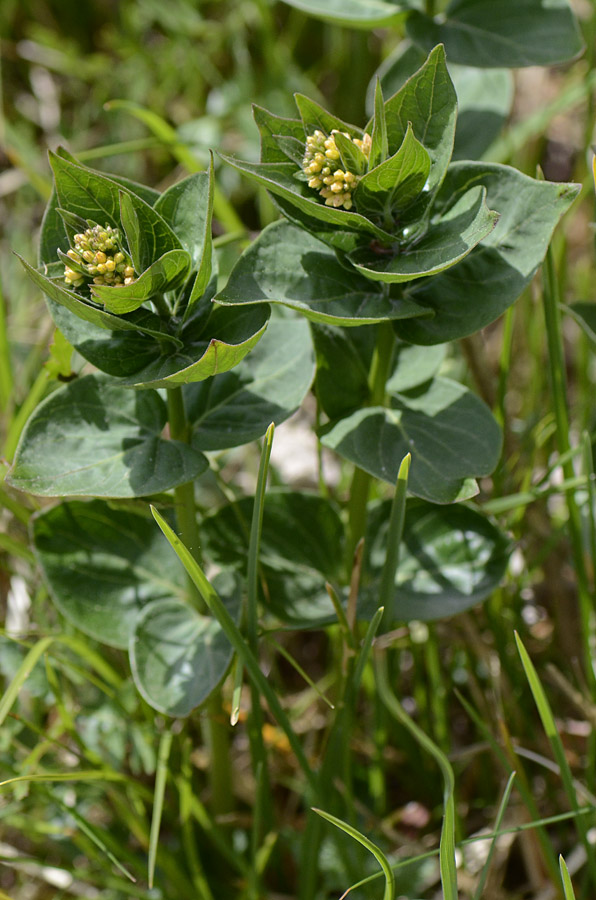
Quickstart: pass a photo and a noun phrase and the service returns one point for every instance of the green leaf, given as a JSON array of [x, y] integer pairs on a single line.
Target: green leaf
[[392, 186], [267, 386], [148, 194], [354, 13], [343, 363], [206, 268], [102, 565], [585, 316], [143, 321], [448, 240], [286, 265], [179, 657], [414, 365], [314, 117], [53, 235], [427, 101], [271, 128], [95, 438], [379, 149], [490, 33], [352, 157], [86, 193], [214, 346], [474, 293], [279, 179], [451, 558], [484, 97], [301, 548], [185, 207], [450, 433], [153, 237], [164, 274]]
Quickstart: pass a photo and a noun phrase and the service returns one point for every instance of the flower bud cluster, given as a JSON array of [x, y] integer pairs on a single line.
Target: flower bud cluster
[[97, 255], [320, 158]]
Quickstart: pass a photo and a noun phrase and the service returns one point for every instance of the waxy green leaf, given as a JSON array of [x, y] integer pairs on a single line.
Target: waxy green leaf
[[447, 241], [143, 321], [271, 128], [451, 434], [164, 274], [179, 657], [102, 565], [497, 33], [267, 386], [392, 186], [427, 101], [286, 265], [315, 117], [301, 548], [211, 344], [185, 207], [86, 193], [379, 148], [355, 13], [474, 293], [451, 558], [95, 438]]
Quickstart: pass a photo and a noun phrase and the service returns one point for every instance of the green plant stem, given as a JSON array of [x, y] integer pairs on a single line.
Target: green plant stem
[[361, 481], [216, 737], [556, 362]]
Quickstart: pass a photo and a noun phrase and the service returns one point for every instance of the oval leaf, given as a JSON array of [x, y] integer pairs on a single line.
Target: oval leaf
[[287, 265], [179, 657], [95, 438], [451, 558], [163, 275], [267, 386], [357, 13], [102, 565], [450, 433]]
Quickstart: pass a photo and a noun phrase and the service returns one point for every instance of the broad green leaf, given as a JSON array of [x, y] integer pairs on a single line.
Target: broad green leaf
[[267, 386], [343, 362], [450, 433], [271, 128], [148, 194], [301, 548], [279, 179], [153, 236], [413, 365], [95, 438], [355, 13], [287, 265], [132, 231], [179, 657], [484, 97], [314, 117], [185, 207], [392, 186], [143, 321], [427, 101], [163, 275], [53, 233], [86, 193], [207, 268], [484, 101], [474, 293], [379, 149], [216, 346], [102, 565], [118, 353], [451, 558], [491, 33], [448, 240]]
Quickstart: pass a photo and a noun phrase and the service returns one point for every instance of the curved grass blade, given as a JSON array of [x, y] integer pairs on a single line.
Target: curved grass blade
[[447, 843], [372, 848], [566, 879]]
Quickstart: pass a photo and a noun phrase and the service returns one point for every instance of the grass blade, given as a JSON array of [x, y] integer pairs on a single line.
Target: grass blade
[[372, 848], [566, 879], [554, 738], [498, 820], [161, 775], [447, 844], [394, 534]]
